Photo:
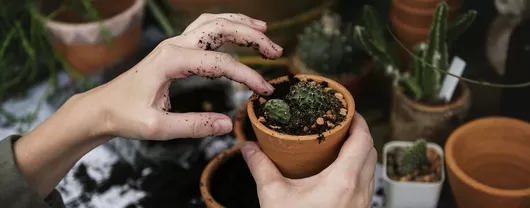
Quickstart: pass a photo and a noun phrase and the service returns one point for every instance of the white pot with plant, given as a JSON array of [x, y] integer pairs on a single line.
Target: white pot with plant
[[425, 103], [413, 174]]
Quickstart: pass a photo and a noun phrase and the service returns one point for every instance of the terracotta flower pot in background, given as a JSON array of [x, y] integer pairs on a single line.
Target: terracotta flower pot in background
[[83, 43], [488, 163], [410, 120], [411, 21], [352, 81], [406, 194], [303, 156]]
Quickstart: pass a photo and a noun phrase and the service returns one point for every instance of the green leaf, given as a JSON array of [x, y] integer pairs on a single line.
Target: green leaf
[[460, 25], [436, 55], [374, 25]]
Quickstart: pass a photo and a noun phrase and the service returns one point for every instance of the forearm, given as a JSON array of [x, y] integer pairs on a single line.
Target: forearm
[[46, 154]]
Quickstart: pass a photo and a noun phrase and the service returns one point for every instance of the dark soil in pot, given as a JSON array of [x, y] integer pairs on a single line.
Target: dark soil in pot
[[233, 186], [303, 121]]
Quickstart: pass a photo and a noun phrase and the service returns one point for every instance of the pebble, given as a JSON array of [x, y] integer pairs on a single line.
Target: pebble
[[330, 124], [343, 111], [262, 100], [275, 127], [339, 95], [306, 128], [327, 89], [320, 121], [313, 83], [262, 119], [313, 126]]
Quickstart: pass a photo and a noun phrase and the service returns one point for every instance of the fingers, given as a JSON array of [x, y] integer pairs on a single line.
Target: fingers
[[261, 167], [163, 125], [356, 150], [368, 170], [239, 18], [180, 63], [215, 33]]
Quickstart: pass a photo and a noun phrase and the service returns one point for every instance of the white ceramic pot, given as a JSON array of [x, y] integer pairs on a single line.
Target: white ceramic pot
[[411, 194]]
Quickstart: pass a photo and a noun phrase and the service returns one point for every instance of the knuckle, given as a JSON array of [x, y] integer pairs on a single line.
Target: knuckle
[[257, 161], [365, 139], [345, 183], [220, 22], [206, 16], [152, 128]]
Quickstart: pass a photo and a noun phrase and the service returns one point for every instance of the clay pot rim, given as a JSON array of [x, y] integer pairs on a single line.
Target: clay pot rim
[[452, 164], [430, 145], [461, 100], [350, 102], [427, 12], [208, 172], [239, 124], [137, 5]]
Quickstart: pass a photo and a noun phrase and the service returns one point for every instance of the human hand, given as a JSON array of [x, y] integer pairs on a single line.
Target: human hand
[[136, 103], [347, 182]]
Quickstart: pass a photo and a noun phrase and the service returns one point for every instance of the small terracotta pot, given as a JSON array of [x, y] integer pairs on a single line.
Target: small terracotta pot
[[352, 81], [83, 43], [302, 156], [412, 19], [488, 163], [410, 120], [209, 170]]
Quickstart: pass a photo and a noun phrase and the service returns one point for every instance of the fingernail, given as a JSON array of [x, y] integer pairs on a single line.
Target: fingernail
[[222, 126], [259, 22], [276, 47], [270, 87], [248, 149]]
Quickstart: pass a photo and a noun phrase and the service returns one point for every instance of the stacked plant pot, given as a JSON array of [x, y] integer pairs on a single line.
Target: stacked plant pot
[[90, 46]]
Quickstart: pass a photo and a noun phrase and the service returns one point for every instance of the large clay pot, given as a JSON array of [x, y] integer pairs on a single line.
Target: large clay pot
[[284, 19], [83, 43], [488, 163], [411, 21], [303, 156], [351, 81], [410, 120]]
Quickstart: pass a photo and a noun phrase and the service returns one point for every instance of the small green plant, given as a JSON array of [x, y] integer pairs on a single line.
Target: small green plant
[[328, 49], [277, 110], [424, 79], [413, 158], [307, 96]]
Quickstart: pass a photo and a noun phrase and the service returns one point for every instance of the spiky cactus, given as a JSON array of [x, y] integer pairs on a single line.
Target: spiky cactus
[[424, 79], [277, 110], [305, 95], [413, 158], [327, 49]]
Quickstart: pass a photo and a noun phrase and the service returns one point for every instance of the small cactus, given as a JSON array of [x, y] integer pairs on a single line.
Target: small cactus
[[413, 158], [305, 95], [328, 49], [277, 110]]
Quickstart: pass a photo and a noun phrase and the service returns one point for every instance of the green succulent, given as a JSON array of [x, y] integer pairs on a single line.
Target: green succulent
[[277, 110], [305, 95], [328, 49], [413, 158]]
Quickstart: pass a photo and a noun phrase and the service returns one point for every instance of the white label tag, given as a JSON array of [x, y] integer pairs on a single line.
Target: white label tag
[[450, 82]]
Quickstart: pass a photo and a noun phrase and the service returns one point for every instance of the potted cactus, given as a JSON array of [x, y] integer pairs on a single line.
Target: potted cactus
[[327, 48], [413, 173], [302, 125], [418, 110]]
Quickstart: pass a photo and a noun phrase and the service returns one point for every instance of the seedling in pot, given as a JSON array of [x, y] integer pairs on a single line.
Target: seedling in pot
[[416, 163], [304, 107]]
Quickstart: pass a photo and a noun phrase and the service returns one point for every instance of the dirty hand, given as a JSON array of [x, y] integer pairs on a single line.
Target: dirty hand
[[137, 103], [348, 182]]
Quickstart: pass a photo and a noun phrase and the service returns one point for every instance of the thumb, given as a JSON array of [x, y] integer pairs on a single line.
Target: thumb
[[261, 167]]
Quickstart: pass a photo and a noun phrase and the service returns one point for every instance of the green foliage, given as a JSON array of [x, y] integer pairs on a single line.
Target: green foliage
[[413, 158], [429, 57], [277, 110], [329, 49], [307, 96]]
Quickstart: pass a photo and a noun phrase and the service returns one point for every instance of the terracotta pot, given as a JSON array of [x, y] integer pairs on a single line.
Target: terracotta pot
[[411, 194], [488, 163], [283, 22], [83, 43], [209, 170], [302, 156], [411, 21], [410, 120], [352, 81]]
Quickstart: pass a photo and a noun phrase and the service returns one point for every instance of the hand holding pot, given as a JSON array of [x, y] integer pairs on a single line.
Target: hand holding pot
[[348, 182]]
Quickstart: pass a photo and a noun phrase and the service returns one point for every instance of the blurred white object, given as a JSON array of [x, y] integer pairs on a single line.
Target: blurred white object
[[450, 82]]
